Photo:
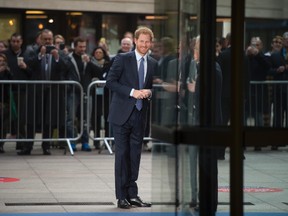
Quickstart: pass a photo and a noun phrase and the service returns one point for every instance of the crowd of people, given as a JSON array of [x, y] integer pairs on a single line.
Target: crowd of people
[[46, 59], [50, 59], [175, 73], [43, 109], [267, 104]]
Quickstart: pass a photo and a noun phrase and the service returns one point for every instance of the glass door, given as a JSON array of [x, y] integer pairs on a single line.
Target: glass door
[[236, 164]]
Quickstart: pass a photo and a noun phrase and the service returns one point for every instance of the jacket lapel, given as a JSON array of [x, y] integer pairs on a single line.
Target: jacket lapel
[[133, 63], [149, 71]]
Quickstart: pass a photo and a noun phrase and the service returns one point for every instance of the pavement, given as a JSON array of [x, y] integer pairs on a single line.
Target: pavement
[[84, 182]]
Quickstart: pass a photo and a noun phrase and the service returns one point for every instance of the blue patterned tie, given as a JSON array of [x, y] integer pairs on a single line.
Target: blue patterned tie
[[141, 82]]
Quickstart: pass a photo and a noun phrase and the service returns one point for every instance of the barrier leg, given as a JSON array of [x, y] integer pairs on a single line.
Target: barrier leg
[[70, 148], [108, 147]]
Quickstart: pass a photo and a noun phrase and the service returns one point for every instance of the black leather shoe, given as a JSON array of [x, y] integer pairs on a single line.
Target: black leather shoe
[[123, 203], [138, 202], [46, 152], [24, 152]]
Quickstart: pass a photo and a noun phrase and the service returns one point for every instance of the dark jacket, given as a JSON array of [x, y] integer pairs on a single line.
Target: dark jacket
[[46, 103], [85, 76], [122, 77], [16, 71], [259, 66]]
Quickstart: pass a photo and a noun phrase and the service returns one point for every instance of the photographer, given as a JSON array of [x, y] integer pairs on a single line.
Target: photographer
[[45, 102], [59, 42]]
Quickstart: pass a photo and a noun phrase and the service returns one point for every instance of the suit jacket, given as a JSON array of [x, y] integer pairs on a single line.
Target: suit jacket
[[45, 103], [122, 77]]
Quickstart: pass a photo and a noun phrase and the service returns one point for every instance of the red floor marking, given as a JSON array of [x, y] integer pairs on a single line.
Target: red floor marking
[[6, 179], [252, 189]]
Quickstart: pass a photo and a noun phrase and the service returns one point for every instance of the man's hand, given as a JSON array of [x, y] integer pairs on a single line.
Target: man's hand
[[280, 69], [42, 50], [251, 50], [55, 54], [22, 65], [191, 86], [142, 94]]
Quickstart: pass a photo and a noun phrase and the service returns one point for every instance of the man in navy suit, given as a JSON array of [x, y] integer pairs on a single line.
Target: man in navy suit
[[127, 118]]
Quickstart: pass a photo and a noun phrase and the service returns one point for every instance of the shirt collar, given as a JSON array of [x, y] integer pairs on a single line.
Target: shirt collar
[[138, 56]]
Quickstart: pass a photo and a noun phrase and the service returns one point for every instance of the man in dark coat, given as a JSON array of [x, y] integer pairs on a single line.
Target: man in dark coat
[[208, 165], [82, 70], [19, 71], [45, 101]]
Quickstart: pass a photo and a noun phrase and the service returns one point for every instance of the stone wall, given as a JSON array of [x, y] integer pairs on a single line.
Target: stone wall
[[118, 6]]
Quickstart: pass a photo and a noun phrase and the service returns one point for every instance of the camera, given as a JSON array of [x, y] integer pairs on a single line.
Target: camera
[[61, 46], [49, 48]]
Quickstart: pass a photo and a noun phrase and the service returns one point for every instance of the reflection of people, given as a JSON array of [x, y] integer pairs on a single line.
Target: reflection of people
[[128, 121], [258, 67], [279, 70], [167, 77], [208, 155], [224, 60], [193, 119]]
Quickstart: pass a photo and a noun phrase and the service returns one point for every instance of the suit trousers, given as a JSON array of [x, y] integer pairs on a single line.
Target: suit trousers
[[128, 146]]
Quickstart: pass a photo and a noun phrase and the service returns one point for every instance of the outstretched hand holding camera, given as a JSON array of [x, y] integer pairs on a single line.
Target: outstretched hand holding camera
[[49, 49]]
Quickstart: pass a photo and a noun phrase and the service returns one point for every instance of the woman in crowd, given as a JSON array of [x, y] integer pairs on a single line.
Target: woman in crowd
[[101, 59]]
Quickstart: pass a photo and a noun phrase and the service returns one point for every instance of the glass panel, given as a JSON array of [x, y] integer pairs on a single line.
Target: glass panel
[[188, 178], [264, 105], [164, 186], [266, 42], [171, 188], [173, 48]]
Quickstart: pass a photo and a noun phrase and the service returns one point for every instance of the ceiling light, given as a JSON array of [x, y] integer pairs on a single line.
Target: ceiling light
[[34, 12]]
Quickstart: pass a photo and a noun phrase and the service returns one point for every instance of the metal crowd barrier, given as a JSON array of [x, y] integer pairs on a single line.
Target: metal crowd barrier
[[267, 103], [99, 99], [28, 108], [38, 107]]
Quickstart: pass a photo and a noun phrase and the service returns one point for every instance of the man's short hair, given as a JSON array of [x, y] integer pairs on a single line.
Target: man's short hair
[[78, 39], [143, 30], [285, 35]]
